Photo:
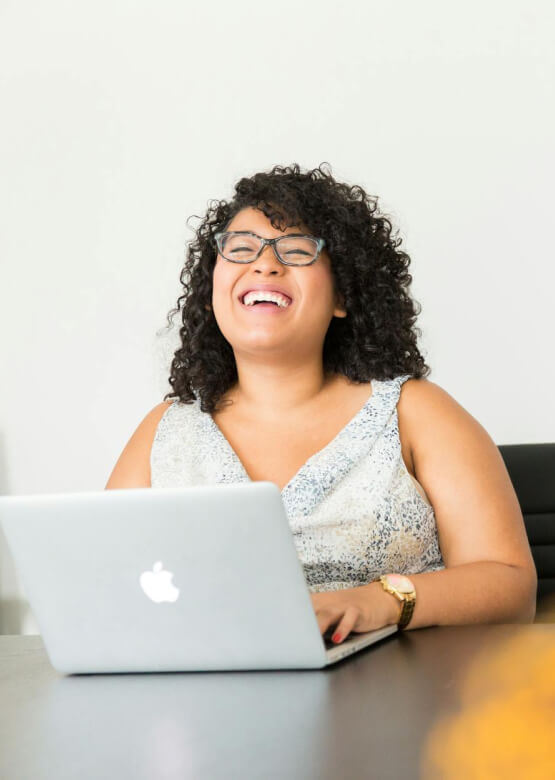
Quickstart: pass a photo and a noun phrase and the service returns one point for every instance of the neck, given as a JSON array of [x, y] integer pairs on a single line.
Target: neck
[[273, 392]]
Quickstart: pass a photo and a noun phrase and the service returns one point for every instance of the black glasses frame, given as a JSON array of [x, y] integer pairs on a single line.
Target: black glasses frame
[[320, 243]]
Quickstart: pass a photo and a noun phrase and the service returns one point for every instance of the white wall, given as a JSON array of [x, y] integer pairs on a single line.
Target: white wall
[[121, 119]]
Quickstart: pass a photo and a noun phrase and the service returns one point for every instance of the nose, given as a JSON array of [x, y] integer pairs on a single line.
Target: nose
[[268, 259]]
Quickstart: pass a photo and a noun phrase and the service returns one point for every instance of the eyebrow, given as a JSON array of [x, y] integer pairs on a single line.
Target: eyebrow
[[286, 235]]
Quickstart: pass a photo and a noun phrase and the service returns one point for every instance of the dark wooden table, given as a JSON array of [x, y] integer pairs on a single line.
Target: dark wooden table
[[366, 717]]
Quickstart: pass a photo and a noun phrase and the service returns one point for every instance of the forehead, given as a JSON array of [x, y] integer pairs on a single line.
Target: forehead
[[253, 219]]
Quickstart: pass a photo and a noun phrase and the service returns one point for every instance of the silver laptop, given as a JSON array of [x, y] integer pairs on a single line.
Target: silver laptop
[[168, 579]]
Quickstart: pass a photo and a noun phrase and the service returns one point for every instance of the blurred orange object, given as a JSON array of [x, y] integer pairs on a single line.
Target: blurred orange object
[[506, 725]]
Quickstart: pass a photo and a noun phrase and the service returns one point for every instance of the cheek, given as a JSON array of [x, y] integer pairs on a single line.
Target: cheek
[[321, 292], [222, 281], [217, 272]]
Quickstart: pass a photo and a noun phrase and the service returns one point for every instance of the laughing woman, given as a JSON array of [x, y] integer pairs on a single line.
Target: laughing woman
[[299, 365]]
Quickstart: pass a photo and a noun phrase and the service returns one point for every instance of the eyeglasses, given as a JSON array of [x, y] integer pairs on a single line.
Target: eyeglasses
[[242, 246]]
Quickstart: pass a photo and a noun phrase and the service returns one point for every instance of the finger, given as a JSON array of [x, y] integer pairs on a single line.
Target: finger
[[346, 624], [328, 618]]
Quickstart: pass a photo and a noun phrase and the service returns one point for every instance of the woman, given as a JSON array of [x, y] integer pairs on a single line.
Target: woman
[[299, 365]]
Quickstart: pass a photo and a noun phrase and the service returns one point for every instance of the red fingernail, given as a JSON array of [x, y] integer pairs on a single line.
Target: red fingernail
[[336, 637]]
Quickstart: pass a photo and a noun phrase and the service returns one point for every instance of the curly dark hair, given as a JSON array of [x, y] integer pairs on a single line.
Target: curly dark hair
[[377, 339]]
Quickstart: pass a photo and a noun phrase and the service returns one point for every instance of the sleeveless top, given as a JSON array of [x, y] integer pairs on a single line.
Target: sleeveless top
[[354, 510]]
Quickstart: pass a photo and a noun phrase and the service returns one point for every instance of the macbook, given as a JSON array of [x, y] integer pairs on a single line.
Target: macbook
[[200, 578]]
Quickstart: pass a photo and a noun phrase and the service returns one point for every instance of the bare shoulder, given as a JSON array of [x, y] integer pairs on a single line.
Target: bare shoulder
[[132, 468], [428, 410], [147, 427], [464, 475], [156, 413], [432, 418]]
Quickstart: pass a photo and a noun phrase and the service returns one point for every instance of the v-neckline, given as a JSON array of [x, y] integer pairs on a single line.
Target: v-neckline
[[317, 455]]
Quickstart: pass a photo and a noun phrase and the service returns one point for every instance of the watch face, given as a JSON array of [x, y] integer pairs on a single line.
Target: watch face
[[401, 583]]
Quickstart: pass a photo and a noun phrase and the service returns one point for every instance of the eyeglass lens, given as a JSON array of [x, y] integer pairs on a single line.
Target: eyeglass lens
[[244, 248]]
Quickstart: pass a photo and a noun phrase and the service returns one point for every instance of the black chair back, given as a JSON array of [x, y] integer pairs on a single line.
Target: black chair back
[[531, 468]]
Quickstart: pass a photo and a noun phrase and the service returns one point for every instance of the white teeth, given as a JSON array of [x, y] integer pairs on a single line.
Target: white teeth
[[259, 295]]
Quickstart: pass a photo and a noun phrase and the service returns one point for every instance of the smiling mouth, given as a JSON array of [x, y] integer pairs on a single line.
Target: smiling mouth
[[265, 306], [270, 296]]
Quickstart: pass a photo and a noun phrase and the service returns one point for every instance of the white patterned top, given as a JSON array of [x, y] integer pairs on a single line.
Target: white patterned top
[[354, 510]]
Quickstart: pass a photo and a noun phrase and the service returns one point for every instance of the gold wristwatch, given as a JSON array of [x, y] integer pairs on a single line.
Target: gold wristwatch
[[403, 590]]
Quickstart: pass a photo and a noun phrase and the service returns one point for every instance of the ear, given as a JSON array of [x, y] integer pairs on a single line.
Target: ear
[[340, 310]]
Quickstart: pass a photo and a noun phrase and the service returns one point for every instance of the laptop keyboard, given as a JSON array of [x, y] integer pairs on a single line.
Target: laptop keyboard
[[329, 645]]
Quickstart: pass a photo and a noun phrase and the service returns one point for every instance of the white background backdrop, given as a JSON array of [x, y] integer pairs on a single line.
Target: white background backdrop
[[121, 119]]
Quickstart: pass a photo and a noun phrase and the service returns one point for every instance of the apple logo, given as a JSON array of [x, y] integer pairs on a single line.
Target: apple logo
[[157, 584]]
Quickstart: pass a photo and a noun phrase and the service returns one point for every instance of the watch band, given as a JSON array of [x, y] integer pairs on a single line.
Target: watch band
[[407, 599]]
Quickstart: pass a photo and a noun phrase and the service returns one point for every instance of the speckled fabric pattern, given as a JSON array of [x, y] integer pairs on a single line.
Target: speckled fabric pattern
[[353, 508]]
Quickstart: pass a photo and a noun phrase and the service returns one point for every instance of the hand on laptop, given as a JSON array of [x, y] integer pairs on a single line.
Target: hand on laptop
[[361, 609]]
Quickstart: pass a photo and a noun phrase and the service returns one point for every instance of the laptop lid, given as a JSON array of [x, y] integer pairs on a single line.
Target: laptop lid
[[166, 579]]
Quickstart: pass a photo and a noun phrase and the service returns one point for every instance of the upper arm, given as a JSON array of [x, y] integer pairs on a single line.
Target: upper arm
[[132, 469], [463, 473]]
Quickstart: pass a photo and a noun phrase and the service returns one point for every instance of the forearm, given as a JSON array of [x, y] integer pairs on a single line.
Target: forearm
[[478, 592]]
